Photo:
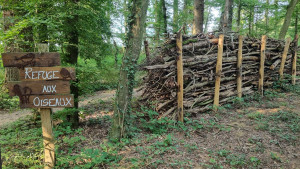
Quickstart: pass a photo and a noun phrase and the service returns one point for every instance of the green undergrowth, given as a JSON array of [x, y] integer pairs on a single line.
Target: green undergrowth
[[6, 102], [150, 138], [283, 124]]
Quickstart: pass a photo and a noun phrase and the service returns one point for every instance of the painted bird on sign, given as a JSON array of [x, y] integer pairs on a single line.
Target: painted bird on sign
[[24, 96], [65, 73], [27, 60]]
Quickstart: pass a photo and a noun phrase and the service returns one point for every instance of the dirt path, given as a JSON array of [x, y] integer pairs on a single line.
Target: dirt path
[[7, 117]]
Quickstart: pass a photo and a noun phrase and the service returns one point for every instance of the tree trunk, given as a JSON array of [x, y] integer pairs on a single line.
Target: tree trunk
[[230, 15], [251, 20], [267, 17], [185, 15], [198, 16], [226, 20], [147, 52], [71, 57], [7, 17], [157, 21], [207, 20], [275, 27], [287, 19], [175, 16], [164, 12], [239, 15], [296, 23], [125, 88]]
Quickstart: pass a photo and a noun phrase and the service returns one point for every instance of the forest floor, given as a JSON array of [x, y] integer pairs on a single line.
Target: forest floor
[[7, 117], [257, 133]]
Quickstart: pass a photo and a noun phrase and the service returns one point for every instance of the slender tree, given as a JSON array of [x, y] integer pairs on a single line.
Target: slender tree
[[164, 13], [226, 17], [198, 16], [71, 56], [158, 16], [239, 15], [185, 13], [296, 22], [267, 16], [136, 27], [175, 15], [287, 19], [207, 19]]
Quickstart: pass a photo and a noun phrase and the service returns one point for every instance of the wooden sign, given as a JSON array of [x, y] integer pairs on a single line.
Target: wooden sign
[[46, 101], [21, 60], [47, 73], [40, 88]]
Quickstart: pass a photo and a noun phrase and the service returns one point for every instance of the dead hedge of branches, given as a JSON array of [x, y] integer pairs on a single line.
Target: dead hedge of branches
[[199, 66]]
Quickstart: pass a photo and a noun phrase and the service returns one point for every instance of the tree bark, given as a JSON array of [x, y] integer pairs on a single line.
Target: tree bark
[[175, 16], [239, 15], [71, 57], [147, 52], [207, 20], [198, 16], [296, 23], [226, 20], [157, 20], [267, 16], [185, 15], [230, 15], [125, 88], [250, 20], [164, 12], [287, 19]]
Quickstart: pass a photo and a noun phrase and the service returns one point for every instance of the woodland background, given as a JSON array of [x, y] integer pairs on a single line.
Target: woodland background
[[95, 36]]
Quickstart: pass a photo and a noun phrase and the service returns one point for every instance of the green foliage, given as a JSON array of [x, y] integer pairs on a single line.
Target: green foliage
[[283, 124], [13, 141], [6, 102], [275, 157], [94, 78], [149, 121]]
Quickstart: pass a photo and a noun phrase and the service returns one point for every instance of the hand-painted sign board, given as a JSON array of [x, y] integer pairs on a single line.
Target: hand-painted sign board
[[40, 88], [47, 73], [46, 101], [21, 60], [42, 83]]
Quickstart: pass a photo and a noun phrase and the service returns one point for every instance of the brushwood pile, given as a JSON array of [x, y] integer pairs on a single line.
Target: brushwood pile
[[199, 66]]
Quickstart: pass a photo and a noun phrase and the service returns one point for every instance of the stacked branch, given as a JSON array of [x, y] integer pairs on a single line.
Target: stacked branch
[[199, 64]]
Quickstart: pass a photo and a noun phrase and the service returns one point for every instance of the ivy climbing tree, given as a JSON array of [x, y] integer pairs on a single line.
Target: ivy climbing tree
[[136, 28]]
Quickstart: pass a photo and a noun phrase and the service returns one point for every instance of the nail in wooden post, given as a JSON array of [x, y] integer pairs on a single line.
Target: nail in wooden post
[[294, 67], [48, 138], [179, 77], [239, 67], [218, 70], [283, 58], [262, 64]]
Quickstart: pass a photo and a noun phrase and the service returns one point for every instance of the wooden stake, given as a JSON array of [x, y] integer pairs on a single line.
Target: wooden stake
[[294, 67], [262, 64], [239, 67], [218, 70], [283, 59], [48, 139], [179, 77], [49, 160]]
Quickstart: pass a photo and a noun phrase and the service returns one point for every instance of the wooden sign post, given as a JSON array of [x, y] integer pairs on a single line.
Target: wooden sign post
[[41, 86]]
